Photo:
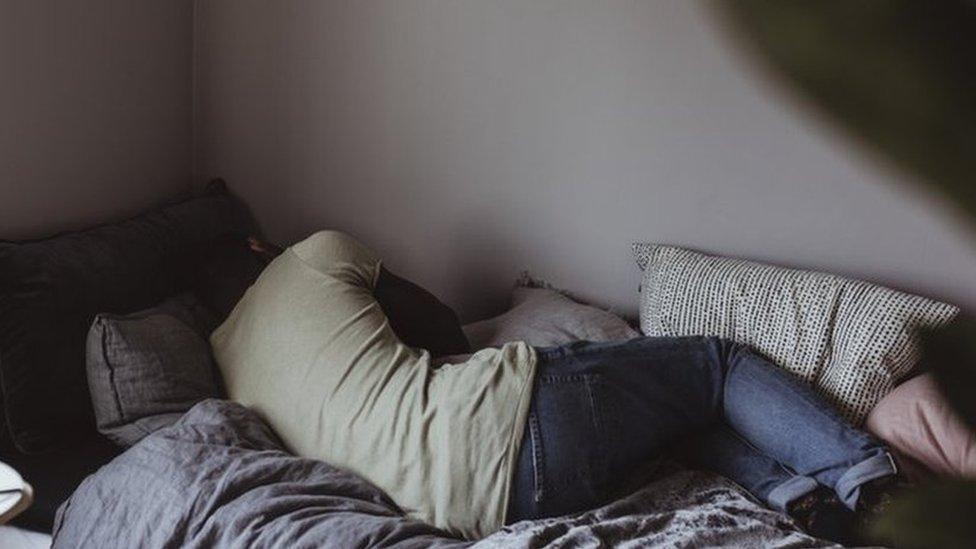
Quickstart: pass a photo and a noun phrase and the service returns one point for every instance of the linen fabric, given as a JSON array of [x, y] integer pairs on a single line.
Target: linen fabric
[[309, 348], [147, 369], [224, 481], [851, 339], [918, 422], [543, 317]]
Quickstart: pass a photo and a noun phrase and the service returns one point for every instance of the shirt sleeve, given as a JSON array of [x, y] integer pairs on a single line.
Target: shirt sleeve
[[339, 255]]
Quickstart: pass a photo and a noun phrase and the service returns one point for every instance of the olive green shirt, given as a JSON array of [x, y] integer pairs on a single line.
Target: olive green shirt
[[309, 348]]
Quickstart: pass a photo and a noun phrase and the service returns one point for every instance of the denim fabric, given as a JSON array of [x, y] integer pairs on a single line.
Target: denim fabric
[[600, 411]]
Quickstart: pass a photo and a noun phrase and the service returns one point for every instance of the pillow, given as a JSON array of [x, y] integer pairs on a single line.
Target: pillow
[[51, 290], [852, 340], [917, 421], [148, 368], [543, 317]]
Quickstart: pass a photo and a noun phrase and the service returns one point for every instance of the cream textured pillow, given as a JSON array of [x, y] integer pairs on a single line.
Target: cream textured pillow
[[542, 317], [851, 339]]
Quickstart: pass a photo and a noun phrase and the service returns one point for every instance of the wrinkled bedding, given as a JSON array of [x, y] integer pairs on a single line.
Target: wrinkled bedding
[[220, 478]]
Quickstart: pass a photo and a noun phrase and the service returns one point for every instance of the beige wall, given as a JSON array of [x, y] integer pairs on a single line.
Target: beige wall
[[95, 110], [469, 139]]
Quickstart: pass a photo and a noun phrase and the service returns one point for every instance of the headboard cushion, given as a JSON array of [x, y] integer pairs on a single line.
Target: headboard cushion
[[51, 289]]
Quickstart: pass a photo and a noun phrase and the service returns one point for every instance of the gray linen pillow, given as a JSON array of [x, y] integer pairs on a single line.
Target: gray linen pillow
[[146, 369], [543, 317], [852, 340]]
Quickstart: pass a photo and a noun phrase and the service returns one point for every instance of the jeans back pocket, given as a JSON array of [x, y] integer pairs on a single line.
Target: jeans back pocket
[[568, 443]]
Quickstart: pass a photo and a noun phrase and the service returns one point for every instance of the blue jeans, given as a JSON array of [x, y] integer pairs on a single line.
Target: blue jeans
[[601, 411]]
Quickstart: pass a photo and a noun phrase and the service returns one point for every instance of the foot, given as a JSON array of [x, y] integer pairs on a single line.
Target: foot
[[821, 514]]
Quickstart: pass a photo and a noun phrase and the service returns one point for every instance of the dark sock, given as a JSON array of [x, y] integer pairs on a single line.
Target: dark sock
[[821, 514]]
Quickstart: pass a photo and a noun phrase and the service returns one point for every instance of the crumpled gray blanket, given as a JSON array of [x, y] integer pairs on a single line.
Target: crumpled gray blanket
[[220, 478]]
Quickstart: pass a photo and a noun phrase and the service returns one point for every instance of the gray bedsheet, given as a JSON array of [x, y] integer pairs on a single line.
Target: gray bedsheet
[[219, 478]]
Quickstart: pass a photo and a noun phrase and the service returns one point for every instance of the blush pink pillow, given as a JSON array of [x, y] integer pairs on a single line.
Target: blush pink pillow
[[917, 422]]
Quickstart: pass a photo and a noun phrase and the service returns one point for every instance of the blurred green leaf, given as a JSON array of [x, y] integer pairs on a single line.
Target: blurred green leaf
[[951, 353], [941, 515], [900, 74]]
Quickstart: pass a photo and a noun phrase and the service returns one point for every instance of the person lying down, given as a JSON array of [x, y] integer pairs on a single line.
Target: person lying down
[[518, 432]]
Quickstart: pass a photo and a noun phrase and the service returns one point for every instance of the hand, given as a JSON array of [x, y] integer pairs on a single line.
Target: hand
[[266, 250]]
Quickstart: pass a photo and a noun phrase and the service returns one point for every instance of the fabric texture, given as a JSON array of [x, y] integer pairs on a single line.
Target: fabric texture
[[309, 348], [918, 422], [146, 369], [51, 290], [602, 410], [543, 317], [223, 480], [17, 538], [851, 339]]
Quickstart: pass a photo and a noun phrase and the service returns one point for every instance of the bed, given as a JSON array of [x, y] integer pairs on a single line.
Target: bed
[[220, 478], [217, 475]]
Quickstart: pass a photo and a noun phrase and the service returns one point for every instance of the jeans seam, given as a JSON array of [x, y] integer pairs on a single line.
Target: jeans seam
[[557, 378], [589, 382], [538, 491], [601, 467], [549, 353]]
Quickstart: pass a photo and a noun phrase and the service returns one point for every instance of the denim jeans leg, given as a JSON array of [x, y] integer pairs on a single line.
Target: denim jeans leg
[[723, 451], [602, 410], [786, 420]]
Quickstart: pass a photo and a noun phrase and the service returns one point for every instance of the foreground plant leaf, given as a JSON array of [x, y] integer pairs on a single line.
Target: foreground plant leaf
[[941, 514], [951, 354], [899, 74]]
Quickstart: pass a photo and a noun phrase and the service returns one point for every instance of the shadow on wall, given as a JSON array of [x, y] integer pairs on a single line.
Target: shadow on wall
[[467, 141], [483, 268]]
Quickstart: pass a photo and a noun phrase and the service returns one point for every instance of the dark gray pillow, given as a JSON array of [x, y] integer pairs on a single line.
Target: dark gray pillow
[[146, 369], [51, 289]]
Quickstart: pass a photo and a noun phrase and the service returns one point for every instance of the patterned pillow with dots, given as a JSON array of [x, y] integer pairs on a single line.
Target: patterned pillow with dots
[[852, 340]]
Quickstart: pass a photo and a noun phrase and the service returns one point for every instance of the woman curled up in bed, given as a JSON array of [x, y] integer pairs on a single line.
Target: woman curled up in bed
[[518, 432]]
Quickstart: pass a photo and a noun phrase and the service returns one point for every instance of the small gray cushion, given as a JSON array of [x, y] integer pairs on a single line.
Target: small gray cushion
[[542, 317], [852, 340], [147, 368]]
